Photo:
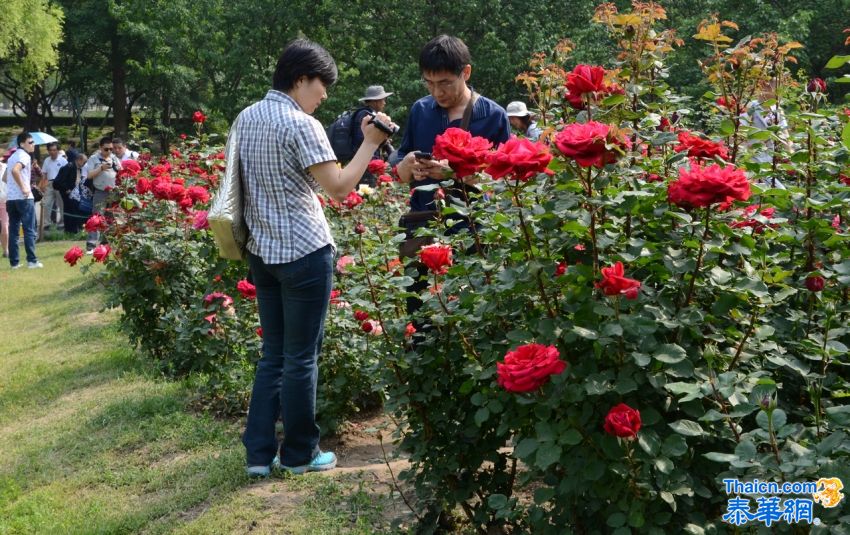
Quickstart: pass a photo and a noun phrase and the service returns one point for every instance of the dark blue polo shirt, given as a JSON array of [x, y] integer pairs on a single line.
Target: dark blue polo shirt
[[427, 120]]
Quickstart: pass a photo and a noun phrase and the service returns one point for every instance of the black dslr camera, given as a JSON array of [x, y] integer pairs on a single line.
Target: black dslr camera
[[390, 130]]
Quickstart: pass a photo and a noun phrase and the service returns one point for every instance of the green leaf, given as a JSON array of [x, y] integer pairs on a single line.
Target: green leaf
[[547, 456], [845, 136], [481, 416], [727, 127], [839, 415], [570, 438], [663, 465], [585, 333], [543, 495], [497, 501], [720, 457], [648, 441], [617, 520], [613, 100], [670, 354], [674, 446], [836, 62], [526, 447], [687, 428]]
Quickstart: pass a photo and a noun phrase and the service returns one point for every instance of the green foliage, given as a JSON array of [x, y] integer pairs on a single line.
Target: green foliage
[[29, 38]]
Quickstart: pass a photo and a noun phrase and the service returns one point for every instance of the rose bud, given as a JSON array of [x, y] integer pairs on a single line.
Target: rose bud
[[361, 315], [814, 283], [366, 326], [360, 228], [440, 194], [816, 85]]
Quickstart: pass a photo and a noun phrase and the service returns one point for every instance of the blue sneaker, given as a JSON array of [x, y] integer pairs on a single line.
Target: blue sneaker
[[325, 460], [263, 471]]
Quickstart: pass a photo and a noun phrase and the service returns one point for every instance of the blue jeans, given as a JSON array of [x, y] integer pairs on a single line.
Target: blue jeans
[[21, 212], [293, 302]]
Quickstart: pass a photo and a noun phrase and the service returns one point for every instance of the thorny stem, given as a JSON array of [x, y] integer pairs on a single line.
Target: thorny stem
[[395, 482], [466, 345], [692, 284], [744, 339], [529, 254], [589, 190], [723, 408]]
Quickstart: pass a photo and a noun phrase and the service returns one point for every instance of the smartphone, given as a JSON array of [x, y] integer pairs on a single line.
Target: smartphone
[[423, 155]]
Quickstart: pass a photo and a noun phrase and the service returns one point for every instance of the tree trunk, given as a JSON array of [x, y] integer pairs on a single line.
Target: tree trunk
[[34, 121], [119, 88]]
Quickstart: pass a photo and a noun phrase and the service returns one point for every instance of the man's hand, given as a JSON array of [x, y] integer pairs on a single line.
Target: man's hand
[[422, 169]]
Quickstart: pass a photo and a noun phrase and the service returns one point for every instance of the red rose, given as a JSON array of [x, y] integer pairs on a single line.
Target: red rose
[[664, 124], [101, 252], [561, 268], [198, 194], [730, 104], [259, 332], [814, 283], [143, 185], [698, 147], [614, 282], [652, 177], [385, 179], [590, 144], [73, 255], [575, 100], [437, 257], [352, 200], [703, 186], [520, 158], [248, 290], [96, 223], [161, 189], [367, 326], [816, 85], [199, 117], [622, 421], [200, 221], [334, 297], [409, 330], [161, 169], [361, 315], [359, 228], [529, 367], [222, 298], [129, 168], [183, 136], [586, 79], [376, 167], [466, 153]]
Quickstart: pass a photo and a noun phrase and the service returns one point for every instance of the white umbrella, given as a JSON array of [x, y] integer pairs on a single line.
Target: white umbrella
[[40, 138]]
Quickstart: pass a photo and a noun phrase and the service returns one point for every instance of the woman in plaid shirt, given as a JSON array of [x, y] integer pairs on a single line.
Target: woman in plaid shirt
[[285, 158]]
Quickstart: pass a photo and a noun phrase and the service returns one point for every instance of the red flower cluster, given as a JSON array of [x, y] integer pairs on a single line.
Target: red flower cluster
[[591, 143], [248, 290], [519, 158], [466, 153], [199, 117], [437, 256], [73, 255], [614, 282], [529, 367], [623, 421], [698, 147], [96, 223], [129, 168], [101, 252], [376, 166], [757, 226], [703, 186]]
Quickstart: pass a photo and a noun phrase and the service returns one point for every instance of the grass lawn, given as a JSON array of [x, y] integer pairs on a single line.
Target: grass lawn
[[94, 441]]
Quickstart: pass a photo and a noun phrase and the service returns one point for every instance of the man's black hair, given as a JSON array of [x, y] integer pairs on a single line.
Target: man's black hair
[[117, 141], [303, 57], [444, 53], [52, 145], [104, 140], [23, 136]]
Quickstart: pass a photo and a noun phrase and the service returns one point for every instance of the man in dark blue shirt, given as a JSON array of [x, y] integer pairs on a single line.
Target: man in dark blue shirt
[[445, 64]]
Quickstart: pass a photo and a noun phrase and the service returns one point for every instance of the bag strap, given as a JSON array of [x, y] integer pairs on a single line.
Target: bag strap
[[467, 113]]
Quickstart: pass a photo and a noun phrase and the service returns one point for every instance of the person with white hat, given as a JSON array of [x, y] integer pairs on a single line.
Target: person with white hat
[[374, 101], [521, 120]]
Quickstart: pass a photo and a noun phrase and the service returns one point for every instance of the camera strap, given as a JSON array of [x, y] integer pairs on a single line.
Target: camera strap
[[467, 113]]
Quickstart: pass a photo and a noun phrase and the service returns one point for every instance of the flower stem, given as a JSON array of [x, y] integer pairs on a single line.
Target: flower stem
[[695, 274]]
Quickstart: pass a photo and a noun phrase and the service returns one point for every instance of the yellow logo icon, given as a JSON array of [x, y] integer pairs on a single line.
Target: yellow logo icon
[[829, 493]]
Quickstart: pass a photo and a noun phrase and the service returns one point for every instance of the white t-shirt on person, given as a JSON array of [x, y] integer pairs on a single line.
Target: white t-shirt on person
[[13, 191]]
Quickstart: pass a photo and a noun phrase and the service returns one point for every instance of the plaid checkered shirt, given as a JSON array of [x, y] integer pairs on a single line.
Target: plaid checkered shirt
[[277, 143]]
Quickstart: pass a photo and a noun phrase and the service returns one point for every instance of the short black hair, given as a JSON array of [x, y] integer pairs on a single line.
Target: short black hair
[[104, 140], [52, 145], [303, 57], [22, 137], [444, 53], [117, 141]]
